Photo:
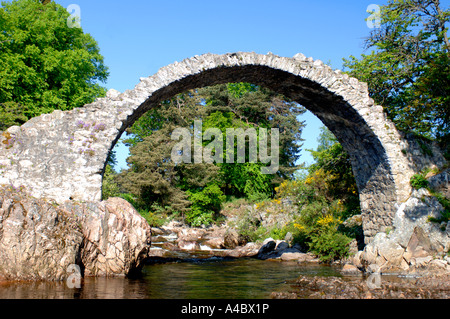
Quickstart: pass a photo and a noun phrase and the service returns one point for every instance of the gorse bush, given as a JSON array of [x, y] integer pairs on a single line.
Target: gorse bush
[[325, 197], [317, 228]]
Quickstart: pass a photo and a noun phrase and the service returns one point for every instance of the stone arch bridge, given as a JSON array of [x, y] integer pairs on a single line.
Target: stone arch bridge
[[61, 156]]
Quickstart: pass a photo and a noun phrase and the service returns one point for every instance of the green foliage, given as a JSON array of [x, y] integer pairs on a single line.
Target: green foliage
[[11, 114], [205, 204], [238, 179], [109, 187], [408, 67], [418, 181], [330, 245], [249, 228], [332, 173], [255, 106], [238, 90], [185, 189], [130, 199], [445, 202], [317, 228], [326, 197], [153, 175], [44, 64], [153, 219]]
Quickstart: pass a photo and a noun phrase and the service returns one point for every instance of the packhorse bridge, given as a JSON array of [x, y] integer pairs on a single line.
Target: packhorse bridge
[[61, 156]]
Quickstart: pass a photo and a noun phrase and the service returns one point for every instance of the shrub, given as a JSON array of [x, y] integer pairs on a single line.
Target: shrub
[[154, 220], [205, 204], [318, 229], [250, 230], [445, 215], [329, 245], [130, 199], [419, 181], [109, 187]]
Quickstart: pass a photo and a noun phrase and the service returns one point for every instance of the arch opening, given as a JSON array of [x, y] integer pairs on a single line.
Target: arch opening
[[369, 160]]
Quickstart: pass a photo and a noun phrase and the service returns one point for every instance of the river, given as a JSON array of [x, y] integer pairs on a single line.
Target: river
[[214, 278]]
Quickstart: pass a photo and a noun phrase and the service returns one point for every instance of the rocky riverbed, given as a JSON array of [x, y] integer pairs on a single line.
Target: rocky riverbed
[[175, 241], [367, 287], [41, 240]]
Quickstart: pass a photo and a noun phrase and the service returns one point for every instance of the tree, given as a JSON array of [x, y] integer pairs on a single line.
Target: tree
[[154, 178], [260, 107], [44, 64], [408, 69], [332, 173]]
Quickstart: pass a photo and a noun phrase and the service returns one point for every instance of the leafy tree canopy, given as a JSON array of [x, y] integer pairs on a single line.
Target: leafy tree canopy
[[44, 64], [408, 67]]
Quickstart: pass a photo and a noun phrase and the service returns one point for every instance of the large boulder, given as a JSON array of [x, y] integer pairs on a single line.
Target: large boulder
[[41, 240], [116, 238], [37, 240]]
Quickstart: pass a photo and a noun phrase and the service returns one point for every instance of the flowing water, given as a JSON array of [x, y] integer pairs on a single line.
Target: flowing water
[[214, 278]]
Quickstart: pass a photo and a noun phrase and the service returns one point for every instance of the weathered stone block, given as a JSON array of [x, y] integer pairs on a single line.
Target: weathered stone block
[[39, 240]]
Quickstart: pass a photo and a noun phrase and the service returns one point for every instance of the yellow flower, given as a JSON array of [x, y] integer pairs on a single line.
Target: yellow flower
[[299, 227], [328, 220], [276, 201], [323, 221]]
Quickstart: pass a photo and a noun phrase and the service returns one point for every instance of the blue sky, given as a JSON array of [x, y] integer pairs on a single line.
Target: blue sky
[[139, 37]]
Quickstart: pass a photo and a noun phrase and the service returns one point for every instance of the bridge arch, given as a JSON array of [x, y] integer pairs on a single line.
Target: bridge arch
[[62, 155]]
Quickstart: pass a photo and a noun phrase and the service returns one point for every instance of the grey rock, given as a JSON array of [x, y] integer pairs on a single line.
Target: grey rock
[[268, 246], [438, 263], [39, 240], [249, 250], [350, 269], [441, 182], [289, 238], [413, 242], [294, 256], [421, 261], [282, 245]]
